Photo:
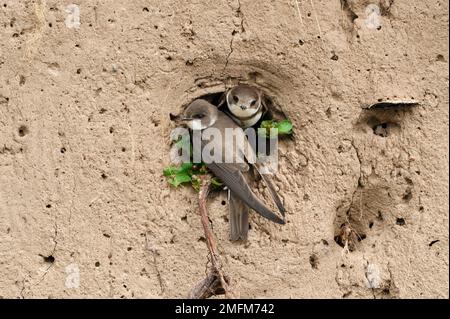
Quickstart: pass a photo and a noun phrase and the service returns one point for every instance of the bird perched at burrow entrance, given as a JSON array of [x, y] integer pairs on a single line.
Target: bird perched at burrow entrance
[[202, 116], [245, 103]]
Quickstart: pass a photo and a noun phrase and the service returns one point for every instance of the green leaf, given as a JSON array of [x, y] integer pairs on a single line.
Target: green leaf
[[179, 179], [284, 127], [267, 124], [170, 171], [185, 167], [216, 182]]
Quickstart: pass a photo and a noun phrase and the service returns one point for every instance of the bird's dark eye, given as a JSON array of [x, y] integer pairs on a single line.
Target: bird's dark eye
[[198, 116], [235, 99], [252, 103]]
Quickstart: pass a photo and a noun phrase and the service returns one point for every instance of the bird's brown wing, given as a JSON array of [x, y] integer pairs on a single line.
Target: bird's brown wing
[[249, 154], [267, 179], [233, 178]]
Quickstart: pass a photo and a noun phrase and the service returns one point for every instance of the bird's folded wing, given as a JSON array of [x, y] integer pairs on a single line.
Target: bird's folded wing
[[266, 178], [236, 182], [250, 155]]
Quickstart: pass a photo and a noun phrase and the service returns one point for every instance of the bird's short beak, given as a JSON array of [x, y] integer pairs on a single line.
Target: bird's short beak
[[179, 118]]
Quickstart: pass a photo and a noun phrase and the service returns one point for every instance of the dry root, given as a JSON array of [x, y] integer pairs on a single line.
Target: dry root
[[216, 282]]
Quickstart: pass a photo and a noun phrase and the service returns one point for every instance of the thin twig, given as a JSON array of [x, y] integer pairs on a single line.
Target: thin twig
[[215, 282]]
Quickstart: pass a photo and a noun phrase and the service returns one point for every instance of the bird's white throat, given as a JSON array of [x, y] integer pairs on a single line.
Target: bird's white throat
[[202, 124], [248, 122]]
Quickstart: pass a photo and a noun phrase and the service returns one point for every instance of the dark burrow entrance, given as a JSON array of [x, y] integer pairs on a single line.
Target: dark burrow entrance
[[273, 112]]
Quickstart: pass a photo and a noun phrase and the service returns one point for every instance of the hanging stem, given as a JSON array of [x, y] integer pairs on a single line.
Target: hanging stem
[[216, 281]]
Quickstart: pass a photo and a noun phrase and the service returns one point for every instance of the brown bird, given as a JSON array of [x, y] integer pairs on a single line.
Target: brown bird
[[202, 116], [245, 104]]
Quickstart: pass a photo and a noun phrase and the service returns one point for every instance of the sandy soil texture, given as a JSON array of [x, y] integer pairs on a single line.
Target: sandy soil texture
[[84, 136]]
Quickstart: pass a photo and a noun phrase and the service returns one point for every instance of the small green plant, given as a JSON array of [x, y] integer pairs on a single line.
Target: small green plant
[[189, 173], [179, 175], [284, 128]]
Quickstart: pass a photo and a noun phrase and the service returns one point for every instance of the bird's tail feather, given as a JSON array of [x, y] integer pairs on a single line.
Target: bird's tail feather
[[238, 217]]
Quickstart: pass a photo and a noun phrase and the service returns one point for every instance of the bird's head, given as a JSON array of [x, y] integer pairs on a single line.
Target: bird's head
[[199, 115], [244, 101]]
